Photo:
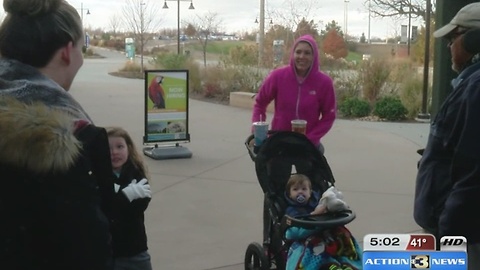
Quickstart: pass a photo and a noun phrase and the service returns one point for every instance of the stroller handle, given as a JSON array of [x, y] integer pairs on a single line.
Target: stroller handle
[[251, 147], [325, 220]]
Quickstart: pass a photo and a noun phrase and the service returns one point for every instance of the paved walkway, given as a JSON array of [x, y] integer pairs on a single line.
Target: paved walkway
[[207, 209]]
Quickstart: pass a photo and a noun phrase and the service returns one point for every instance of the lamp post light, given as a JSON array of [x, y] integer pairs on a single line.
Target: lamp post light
[[261, 35], [165, 6], [271, 21]]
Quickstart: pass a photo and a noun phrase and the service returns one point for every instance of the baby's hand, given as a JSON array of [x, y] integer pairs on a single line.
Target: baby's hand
[[320, 209]]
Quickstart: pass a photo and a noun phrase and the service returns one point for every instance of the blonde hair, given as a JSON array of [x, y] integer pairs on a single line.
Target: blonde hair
[[133, 154], [34, 30], [298, 179]]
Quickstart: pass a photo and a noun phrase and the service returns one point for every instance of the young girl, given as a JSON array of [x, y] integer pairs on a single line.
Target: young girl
[[132, 197]]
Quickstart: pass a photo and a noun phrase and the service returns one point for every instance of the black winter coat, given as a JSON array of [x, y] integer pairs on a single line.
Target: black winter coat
[[128, 226], [56, 191]]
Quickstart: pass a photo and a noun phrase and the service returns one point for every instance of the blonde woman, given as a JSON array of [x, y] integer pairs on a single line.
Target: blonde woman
[[56, 175]]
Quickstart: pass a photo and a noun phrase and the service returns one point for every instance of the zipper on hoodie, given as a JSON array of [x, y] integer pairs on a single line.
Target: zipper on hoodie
[[299, 90], [298, 101]]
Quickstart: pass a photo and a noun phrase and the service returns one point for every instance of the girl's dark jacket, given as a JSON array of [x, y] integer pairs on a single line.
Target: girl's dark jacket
[[128, 227], [55, 175]]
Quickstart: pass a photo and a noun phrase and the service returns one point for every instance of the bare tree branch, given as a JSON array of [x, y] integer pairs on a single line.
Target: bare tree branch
[[399, 8], [205, 26], [141, 18], [296, 11], [115, 23]]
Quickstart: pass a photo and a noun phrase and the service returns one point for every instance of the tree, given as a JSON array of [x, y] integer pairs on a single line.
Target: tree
[[306, 27], [205, 26], [418, 49], [294, 13], [398, 8], [190, 30], [115, 23], [245, 55], [334, 45], [333, 25], [277, 32], [141, 17]]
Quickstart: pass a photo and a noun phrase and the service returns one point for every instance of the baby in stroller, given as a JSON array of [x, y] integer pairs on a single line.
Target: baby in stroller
[[293, 237], [318, 248]]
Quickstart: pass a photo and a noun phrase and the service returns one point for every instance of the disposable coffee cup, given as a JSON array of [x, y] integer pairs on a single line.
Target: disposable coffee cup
[[299, 126], [260, 130]]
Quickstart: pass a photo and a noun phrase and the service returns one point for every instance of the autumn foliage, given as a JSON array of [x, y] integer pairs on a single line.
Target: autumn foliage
[[334, 45]]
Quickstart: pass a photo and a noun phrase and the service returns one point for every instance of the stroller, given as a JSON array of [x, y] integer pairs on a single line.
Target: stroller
[[274, 160]]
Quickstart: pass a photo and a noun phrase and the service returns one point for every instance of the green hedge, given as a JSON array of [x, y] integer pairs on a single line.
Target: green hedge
[[390, 108]]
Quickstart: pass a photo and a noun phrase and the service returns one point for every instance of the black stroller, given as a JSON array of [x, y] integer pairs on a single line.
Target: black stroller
[[274, 161]]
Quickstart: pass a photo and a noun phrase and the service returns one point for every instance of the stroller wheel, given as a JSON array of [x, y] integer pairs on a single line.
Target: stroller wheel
[[255, 258]]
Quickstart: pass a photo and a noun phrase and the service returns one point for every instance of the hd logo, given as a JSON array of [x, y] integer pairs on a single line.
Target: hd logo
[[420, 262]]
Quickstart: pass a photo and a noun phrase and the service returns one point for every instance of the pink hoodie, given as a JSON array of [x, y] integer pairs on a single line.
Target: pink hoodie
[[312, 99]]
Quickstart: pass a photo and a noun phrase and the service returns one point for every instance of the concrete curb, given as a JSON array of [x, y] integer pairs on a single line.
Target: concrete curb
[[246, 100]]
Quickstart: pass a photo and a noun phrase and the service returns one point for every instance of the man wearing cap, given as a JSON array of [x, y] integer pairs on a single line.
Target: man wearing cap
[[447, 194]]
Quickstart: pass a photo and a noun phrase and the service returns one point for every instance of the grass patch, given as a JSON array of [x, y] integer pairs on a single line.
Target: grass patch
[[354, 56], [216, 47]]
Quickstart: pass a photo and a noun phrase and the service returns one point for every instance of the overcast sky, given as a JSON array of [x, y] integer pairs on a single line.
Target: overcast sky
[[239, 15]]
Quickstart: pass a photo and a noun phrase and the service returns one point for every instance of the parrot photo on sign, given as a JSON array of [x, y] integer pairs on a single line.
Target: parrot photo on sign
[[156, 93]]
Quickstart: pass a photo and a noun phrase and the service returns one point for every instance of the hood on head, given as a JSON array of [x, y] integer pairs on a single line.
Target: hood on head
[[36, 137], [310, 40]]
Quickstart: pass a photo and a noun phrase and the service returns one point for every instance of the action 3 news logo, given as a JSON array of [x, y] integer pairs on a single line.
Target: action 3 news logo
[[420, 262], [424, 261]]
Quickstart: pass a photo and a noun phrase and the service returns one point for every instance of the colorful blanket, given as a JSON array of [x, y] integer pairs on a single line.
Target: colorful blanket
[[332, 249]]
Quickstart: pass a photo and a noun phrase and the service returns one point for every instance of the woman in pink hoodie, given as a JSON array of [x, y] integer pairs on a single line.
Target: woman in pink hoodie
[[300, 91]]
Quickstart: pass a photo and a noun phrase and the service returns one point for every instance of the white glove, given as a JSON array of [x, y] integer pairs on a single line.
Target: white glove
[[138, 190]]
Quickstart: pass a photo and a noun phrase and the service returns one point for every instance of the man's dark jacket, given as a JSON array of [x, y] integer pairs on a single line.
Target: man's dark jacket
[[447, 192]]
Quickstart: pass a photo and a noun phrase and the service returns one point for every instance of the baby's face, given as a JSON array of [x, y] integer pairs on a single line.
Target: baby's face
[[300, 189]]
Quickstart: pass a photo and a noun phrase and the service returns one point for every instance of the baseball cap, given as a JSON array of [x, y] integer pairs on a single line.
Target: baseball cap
[[468, 17]]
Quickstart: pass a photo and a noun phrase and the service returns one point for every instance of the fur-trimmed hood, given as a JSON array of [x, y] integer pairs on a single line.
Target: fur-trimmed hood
[[37, 119], [36, 137]]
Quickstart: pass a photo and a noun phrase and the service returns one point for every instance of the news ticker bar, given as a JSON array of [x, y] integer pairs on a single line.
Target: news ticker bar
[[407, 242], [407, 260]]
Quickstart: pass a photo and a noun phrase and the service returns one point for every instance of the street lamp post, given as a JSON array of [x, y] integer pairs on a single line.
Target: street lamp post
[[369, 18], [409, 36], [142, 36], [82, 8], [178, 18], [261, 34], [424, 116], [346, 18]]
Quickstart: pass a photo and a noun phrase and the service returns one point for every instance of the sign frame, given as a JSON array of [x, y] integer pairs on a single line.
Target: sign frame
[[166, 115]]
